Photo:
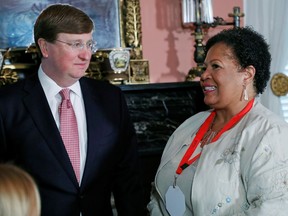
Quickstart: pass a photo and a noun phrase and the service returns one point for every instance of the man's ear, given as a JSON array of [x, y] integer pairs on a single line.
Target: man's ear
[[43, 47]]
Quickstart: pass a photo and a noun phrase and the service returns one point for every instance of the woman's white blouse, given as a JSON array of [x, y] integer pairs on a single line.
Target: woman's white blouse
[[245, 172]]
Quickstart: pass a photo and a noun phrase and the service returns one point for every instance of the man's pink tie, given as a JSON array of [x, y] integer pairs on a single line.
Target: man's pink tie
[[69, 130]]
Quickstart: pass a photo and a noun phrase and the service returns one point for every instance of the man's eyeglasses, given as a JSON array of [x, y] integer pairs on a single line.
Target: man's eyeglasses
[[77, 45]]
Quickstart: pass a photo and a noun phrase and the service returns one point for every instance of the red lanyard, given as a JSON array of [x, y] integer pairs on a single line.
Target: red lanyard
[[185, 162]]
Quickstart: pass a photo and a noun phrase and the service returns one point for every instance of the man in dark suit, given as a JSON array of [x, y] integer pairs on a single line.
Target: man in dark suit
[[30, 125]]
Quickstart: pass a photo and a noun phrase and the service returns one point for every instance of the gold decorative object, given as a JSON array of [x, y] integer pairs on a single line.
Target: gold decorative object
[[133, 34], [93, 70], [18, 63], [139, 71], [8, 76], [279, 84], [195, 73], [197, 14], [119, 60], [138, 68], [107, 64]]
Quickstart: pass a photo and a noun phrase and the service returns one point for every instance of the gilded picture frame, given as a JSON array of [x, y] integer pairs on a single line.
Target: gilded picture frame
[[17, 18], [117, 25]]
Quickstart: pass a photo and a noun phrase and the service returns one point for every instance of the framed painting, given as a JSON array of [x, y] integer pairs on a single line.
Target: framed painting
[[17, 19], [117, 26]]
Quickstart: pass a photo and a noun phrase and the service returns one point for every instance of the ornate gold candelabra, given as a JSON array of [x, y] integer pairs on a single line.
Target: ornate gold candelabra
[[197, 14]]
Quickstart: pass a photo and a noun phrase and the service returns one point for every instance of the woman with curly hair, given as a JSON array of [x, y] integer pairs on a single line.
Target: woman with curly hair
[[231, 159]]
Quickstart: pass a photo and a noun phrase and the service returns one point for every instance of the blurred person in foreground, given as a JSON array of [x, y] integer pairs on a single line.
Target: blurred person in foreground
[[231, 159], [19, 195], [79, 178]]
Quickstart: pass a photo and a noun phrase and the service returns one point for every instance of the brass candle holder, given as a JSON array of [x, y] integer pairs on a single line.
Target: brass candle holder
[[197, 15]]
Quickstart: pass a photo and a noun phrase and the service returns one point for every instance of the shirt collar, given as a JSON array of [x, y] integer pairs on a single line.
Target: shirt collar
[[51, 88]]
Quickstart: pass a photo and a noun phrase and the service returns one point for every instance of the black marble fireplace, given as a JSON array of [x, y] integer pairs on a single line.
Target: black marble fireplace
[[156, 111]]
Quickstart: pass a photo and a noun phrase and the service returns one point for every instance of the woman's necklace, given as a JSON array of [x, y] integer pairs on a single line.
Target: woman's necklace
[[209, 135], [187, 159]]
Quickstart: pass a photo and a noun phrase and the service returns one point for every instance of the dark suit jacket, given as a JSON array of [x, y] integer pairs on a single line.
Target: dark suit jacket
[[30, 138]]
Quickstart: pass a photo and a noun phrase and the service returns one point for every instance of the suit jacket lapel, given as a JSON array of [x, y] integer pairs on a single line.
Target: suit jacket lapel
[[37, 104], [94, 124]]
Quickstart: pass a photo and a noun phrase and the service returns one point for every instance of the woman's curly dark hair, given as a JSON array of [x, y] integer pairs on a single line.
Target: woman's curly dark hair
[[249, 48]]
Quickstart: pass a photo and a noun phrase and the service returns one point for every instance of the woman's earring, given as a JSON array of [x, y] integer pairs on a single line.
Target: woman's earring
[[245, 93]]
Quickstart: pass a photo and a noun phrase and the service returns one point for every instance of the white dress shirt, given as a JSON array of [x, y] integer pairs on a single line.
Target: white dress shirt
[[52, 90]]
